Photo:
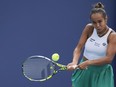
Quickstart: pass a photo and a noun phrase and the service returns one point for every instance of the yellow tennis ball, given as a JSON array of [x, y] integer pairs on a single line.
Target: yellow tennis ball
[[55, 57]]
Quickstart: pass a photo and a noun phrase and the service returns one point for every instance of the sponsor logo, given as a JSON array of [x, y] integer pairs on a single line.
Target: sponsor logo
[[104, 44], [97, 44], [91, 39]]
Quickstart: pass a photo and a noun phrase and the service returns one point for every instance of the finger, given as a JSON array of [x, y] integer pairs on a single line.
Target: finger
[[69, 68], [86, 68], [75, 66]]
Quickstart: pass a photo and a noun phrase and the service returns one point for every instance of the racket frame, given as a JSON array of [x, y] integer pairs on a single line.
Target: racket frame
[[61, 68]]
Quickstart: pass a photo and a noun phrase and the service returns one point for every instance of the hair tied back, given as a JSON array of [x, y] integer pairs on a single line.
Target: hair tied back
[[99, 5]]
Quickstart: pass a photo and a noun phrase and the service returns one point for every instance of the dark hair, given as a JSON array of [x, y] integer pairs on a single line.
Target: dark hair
[[98, 8]]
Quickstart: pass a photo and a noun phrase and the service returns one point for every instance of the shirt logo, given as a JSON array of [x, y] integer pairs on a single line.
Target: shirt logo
[[104, 44], [91, 39], [97, 44]]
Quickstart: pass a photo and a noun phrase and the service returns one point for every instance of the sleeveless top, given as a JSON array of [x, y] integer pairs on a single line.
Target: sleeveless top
[[95, 46]]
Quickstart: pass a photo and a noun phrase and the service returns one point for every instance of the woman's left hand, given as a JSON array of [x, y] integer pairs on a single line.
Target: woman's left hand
[[84, 64]]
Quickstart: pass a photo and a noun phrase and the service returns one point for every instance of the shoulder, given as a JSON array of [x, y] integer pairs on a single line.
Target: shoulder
[[112, 41], [113, 34], [89, 25], [112, 37], [88, 29]]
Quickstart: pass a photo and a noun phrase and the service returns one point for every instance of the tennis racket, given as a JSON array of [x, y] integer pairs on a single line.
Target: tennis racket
[[41, 68]]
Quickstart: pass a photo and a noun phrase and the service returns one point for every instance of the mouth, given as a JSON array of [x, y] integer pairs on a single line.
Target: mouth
[[99, 30]]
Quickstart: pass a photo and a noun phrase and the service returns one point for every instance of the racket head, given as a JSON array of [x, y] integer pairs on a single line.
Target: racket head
[[38, 68]]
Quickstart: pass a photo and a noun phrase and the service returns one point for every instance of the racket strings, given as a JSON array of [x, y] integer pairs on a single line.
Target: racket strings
[[40, 68]]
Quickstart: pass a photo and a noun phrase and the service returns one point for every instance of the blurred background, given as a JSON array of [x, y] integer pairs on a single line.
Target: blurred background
[[43, 27]]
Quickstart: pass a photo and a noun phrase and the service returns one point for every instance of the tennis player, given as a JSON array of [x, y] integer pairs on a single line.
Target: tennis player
[[99, 42]]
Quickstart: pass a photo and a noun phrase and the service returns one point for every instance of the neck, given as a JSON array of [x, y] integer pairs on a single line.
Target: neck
[[103, 32]]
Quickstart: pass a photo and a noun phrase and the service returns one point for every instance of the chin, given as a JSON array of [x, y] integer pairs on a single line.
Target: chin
[[99, 29]]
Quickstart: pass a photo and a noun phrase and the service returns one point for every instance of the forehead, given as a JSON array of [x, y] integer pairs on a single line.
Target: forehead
[[97, 16]]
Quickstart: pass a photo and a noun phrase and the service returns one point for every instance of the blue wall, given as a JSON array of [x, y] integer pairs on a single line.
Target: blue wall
[[30, 27]]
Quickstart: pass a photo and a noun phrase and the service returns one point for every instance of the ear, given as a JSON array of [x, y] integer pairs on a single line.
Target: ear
[[106, 18]]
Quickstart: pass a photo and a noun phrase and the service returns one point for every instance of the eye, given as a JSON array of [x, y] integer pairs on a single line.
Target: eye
[[99, 21], [93, 22]]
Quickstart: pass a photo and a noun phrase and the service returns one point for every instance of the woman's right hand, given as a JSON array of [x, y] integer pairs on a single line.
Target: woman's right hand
[[72, 66]]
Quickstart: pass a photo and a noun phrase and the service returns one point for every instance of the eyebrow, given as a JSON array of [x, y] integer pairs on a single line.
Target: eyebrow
[[97, 21]]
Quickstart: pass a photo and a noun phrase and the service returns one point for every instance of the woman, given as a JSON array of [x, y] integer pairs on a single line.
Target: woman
[[99, 42]]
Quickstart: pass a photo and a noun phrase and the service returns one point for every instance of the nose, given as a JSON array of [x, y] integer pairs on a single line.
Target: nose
[[97, 24]]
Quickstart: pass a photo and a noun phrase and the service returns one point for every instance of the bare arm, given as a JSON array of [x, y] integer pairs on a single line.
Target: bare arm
[[111, 51], [77, 51], [79, 47]]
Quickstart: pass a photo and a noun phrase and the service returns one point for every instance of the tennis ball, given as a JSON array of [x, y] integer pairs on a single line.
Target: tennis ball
[[55, 57]]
